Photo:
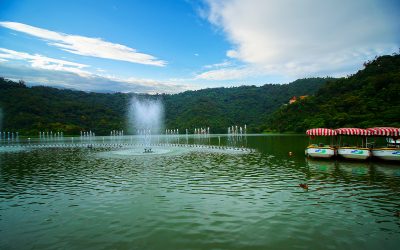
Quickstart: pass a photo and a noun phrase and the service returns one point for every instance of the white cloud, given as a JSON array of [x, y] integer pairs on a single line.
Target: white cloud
[[43, 62], [232, 54], [218, 65], [60, 73], [228, 74], [86, 46], [152, 86], [97, 83], [303, 38]]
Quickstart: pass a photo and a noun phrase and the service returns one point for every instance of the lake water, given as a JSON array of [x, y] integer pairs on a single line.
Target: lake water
[[81, 198]]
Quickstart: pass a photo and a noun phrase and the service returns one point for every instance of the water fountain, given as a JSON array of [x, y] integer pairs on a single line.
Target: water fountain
[[146, 116], [237, 136], [145, 119]]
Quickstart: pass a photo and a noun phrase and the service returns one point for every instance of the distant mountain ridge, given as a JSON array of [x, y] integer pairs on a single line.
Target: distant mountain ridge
[[370, 97], [33, 109]]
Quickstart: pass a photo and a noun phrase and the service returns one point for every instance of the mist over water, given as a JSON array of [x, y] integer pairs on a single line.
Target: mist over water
[[146, 114]]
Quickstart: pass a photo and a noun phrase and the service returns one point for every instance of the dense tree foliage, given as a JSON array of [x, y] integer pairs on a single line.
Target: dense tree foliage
[[32, 109], [371, 97], [39, 108], [223, 107], [368, 98]]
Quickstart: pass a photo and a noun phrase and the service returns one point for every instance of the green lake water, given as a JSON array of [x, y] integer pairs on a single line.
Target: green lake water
[[81, 198]]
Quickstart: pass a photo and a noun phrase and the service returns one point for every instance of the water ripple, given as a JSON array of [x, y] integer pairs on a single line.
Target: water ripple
[[73, 198]]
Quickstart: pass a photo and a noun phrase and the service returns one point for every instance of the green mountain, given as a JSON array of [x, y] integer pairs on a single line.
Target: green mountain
[[368, 98], [219, 108], [371, 97], [32, 109]]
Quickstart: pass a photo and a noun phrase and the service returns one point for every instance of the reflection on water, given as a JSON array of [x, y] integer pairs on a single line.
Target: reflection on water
[[75, 198]]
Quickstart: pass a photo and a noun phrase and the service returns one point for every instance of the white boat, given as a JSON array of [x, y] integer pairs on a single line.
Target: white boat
[[355, 135], [320, 152], [354, 153], [392, 151], [389, 154]]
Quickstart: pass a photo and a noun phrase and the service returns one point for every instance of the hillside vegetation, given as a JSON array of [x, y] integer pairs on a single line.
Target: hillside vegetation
[[369, 98], [32, 109], [223, 107]]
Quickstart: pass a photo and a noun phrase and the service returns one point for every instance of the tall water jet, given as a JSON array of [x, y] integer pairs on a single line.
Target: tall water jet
[[146, 115]]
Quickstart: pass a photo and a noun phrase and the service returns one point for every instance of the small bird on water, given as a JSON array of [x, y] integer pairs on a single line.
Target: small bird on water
[[397, 213], [303, 185]]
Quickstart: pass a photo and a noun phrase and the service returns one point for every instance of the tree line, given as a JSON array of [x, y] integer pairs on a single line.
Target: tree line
[[39, 108], [367, 98]]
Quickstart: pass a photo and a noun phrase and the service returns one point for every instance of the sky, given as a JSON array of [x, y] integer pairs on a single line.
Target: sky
[[158, 46]]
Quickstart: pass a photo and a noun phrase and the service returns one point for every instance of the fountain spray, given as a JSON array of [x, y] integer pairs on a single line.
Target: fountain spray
[[146, 115]]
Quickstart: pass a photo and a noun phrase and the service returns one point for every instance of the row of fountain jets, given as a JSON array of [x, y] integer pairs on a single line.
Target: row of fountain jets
[[9, 136], [233, 130], [47, 134], [51, 135], [236, 135]]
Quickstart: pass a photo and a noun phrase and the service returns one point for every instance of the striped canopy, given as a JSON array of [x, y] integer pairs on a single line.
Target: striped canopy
[[321, 132], [385, 131], [352, 131]]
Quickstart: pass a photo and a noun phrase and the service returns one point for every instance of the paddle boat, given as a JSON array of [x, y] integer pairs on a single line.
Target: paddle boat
[[391, 151], [349, 151], [321, 150]]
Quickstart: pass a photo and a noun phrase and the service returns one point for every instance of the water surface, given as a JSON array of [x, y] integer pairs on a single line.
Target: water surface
[[76, 198]]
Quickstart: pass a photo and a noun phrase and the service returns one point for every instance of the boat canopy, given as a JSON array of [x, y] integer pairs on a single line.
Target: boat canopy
[[321, 132], [352, 131], [385, 131]]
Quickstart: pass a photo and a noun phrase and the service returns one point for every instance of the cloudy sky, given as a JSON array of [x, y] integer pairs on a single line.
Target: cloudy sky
[[171, 46]]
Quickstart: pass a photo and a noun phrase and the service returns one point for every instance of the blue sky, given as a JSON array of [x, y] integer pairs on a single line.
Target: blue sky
[[171, 46]]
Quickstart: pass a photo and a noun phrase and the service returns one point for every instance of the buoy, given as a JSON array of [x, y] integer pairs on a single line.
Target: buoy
[[290, 153]]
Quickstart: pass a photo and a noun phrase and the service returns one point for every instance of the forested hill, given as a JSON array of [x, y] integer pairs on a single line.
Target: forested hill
[[369, 98], [32, 109], [223, 107]]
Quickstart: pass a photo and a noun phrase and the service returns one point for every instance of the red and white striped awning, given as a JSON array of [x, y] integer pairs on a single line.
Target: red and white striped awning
[[352, 131], [321, 132], [384, 131]]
